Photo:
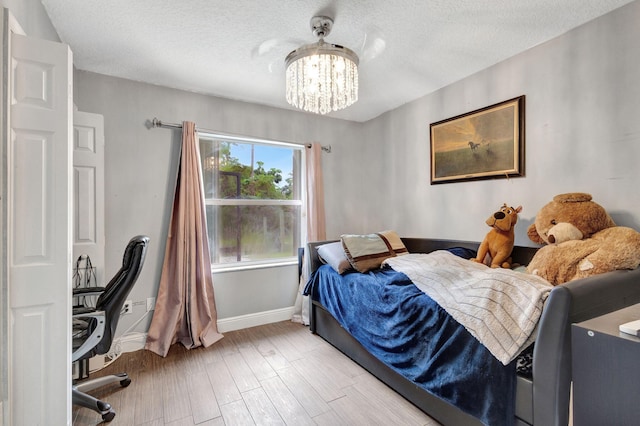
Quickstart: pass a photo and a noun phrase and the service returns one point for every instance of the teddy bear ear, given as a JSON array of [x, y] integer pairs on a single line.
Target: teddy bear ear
[[533, 235], [518, 209], [572, 197]]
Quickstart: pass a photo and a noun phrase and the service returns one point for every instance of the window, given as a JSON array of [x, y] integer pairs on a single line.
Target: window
[[253, 198]]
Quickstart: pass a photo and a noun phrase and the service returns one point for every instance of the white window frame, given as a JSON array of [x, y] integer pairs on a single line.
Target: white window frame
[[300, 201]]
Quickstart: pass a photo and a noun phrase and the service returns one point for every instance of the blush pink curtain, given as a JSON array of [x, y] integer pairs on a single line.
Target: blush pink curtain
[[316, 225], [185, 309]]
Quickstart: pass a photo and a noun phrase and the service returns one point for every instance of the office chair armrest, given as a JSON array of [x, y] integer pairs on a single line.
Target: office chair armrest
[[88, 291], [96, 334]]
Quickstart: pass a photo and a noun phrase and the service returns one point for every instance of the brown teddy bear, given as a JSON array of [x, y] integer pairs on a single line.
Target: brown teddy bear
[[498, 243], [582, 240], [572, 216]]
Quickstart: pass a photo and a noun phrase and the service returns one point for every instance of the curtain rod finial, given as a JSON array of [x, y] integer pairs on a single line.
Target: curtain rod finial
[[152, 124]]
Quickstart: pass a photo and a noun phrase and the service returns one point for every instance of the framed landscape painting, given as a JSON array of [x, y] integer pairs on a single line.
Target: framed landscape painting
[[484, 144]]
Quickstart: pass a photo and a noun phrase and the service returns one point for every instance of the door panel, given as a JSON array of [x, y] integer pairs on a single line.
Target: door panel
[[39, 231], [88, 191]]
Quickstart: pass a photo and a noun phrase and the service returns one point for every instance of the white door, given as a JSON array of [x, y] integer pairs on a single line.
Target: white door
[[88, 195], [38, 255]]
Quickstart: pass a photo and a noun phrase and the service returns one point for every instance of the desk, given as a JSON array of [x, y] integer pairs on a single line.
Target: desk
[[606, 370]]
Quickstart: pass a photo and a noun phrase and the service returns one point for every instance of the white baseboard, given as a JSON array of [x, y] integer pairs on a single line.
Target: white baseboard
[[129, 342], [253, 320], [132, 342]]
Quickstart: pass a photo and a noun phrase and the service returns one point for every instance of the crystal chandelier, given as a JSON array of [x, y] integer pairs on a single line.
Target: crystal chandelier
[[322, 77]]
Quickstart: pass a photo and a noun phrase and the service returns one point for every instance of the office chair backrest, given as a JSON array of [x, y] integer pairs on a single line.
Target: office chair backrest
[[117, 290]]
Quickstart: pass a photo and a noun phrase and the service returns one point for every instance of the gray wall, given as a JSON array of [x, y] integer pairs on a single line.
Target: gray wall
[[582, 134], [582, 99], [140, 171]]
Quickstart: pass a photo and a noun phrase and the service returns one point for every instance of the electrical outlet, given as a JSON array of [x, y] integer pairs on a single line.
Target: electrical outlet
[[128, 307], [151, 303]]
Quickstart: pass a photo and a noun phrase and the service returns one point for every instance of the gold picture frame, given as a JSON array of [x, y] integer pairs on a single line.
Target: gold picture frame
[[487, 143]]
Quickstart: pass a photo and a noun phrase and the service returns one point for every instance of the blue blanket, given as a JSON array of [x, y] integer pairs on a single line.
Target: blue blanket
[[404, 328]]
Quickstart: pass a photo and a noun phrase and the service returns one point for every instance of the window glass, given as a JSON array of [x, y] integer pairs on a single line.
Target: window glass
[[253, 197]]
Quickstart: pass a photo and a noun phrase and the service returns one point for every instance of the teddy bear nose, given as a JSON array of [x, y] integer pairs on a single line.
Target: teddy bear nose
[[499, 215], [552, 239]]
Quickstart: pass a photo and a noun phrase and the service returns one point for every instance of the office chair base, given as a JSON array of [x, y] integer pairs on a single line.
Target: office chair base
[[81, 398]]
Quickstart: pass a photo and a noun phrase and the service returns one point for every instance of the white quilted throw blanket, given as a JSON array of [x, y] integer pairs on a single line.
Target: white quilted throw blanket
[[499, 307]]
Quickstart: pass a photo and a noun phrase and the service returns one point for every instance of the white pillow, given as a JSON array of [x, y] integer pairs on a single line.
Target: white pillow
[[333, 255]]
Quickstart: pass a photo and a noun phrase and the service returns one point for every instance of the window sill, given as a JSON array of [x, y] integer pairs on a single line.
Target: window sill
[[251, 266]]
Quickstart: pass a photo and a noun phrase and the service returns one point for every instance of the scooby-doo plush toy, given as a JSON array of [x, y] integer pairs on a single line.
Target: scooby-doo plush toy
[[498, 243]]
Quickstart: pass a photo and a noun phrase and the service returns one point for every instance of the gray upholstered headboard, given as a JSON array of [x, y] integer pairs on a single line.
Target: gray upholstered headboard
[[521, 255]]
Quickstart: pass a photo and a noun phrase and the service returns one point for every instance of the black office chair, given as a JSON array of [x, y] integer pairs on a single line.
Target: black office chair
[[93, 328]]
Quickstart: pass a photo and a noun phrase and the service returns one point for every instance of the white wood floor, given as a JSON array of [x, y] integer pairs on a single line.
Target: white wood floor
[[276, 374]]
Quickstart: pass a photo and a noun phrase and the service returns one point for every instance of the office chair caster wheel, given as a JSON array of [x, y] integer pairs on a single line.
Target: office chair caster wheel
[[107, 417], [126, 382]]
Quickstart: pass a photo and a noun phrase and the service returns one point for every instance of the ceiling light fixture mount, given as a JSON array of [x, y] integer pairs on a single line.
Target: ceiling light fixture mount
[[322, 77]]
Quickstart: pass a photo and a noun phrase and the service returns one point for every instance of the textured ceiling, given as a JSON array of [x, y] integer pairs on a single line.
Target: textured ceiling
[[236, 48]]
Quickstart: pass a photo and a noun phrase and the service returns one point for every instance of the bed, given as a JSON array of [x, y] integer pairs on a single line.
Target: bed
[[541, 398]]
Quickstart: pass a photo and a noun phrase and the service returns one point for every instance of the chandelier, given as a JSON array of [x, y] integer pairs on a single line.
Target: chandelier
[[322, 77]]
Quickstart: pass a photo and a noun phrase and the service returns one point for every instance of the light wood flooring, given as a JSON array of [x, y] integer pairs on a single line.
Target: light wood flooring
[[276, 374]]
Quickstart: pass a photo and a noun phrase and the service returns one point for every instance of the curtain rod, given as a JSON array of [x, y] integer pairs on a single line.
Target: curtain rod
[[159, 123]]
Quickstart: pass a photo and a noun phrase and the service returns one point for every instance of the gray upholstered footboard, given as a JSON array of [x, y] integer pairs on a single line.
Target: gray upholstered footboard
[[569, 303]]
